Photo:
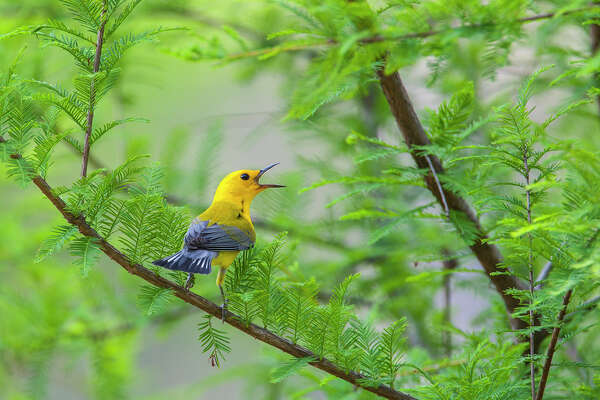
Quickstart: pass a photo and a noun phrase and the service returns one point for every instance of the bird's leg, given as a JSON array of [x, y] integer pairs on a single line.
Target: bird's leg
[[224, 307], [220, 279], [190, 281]]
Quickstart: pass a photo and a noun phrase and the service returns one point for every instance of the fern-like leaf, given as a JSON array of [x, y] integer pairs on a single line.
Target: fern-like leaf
[[214, 341], [152, 300]]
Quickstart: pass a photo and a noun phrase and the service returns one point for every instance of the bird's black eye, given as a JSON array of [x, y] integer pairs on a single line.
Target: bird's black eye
[[245, 177]]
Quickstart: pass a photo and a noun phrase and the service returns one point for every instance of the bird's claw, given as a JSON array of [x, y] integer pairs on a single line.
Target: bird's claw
[[223, 311], [189, 282]]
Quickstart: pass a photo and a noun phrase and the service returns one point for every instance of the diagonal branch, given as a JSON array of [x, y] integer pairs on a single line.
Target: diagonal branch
[[414, 135], [207, 306]]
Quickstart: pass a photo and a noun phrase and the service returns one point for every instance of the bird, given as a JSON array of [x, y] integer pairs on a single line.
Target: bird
[[215, 237]]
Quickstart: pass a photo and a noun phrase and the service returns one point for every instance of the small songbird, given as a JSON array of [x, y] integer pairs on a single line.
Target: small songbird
[[216, 236]]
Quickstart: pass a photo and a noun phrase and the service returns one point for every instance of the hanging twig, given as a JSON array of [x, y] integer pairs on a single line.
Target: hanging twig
[[439, 187]]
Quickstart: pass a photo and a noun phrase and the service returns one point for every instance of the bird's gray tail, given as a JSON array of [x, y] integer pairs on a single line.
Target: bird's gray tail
[[197, 262]]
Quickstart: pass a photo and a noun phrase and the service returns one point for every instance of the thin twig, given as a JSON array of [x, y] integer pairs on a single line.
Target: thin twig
[[207, 306], [90, 113], [552, 345], [439, 186], [91, 159]]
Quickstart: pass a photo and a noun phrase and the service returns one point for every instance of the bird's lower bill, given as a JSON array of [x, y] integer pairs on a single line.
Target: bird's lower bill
[[261, 173]]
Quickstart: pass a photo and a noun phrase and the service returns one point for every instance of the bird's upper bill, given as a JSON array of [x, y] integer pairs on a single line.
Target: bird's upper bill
[[261, 173]]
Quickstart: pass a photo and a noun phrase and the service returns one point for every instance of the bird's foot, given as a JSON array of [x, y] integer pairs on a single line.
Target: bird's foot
[[189, 282], [223, 310]]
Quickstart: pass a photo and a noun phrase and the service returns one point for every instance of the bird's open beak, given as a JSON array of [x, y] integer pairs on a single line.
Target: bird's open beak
[[262, 171]]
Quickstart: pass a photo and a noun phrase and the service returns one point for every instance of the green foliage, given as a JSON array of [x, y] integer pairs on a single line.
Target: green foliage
[[487, 371], [290, 367], [152, 299], [87, 251], [369, 211], [254, 282], [53, 243], [213, 340]]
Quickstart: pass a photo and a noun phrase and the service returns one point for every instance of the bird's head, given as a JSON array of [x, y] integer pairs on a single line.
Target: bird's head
[[243, 185]]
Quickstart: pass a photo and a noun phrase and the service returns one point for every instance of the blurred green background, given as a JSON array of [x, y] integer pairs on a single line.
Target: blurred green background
[[64, 336]]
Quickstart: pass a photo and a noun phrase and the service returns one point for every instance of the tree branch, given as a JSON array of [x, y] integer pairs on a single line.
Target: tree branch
[[414, 135], [523, 20], [204, 304], [412, 35], [90, 113], [209, 307], [552, 346]]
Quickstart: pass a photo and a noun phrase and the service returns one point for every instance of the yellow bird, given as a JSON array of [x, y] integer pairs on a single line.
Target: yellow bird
[[216, 236]]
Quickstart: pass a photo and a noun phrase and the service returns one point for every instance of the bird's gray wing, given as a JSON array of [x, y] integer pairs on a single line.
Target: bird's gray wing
[[216, 237]]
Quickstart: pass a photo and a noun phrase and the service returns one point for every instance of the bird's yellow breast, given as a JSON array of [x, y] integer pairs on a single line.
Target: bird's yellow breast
[[229, 214], [225, 258]]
